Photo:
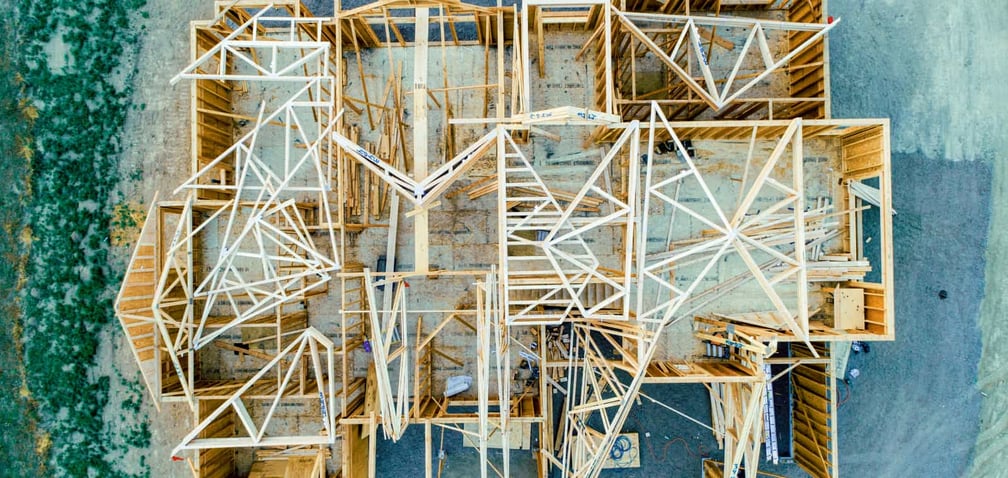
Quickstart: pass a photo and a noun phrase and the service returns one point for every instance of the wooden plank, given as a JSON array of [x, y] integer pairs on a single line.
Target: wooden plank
[[420, 221], [428, 455]]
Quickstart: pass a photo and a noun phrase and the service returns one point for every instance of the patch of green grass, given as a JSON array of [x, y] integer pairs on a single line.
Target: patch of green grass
[[69, 285], [17, 446]]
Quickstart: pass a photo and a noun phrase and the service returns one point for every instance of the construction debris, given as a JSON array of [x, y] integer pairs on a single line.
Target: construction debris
[[548, 248]]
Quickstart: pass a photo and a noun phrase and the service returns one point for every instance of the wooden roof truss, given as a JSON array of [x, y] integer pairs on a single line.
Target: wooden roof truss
[[740, 232], [307, 362], [275, 238], [390, 350], [550, 284], [718, 91], [249, 53]]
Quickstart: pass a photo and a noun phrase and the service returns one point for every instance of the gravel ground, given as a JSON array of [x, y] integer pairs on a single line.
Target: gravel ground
[[937, 72]]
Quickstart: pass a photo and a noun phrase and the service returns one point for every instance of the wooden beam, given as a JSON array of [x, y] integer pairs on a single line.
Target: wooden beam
[[420, 225], [428, 451]]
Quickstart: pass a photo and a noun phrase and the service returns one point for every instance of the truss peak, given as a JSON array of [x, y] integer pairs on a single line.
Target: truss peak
[[420, 193], [134, 306]]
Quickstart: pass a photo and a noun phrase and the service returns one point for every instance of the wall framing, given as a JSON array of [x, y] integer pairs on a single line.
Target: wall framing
[[260, 255]]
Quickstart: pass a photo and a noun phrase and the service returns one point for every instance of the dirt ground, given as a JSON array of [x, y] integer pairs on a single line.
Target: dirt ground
[[918, 408], [156, 158]]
